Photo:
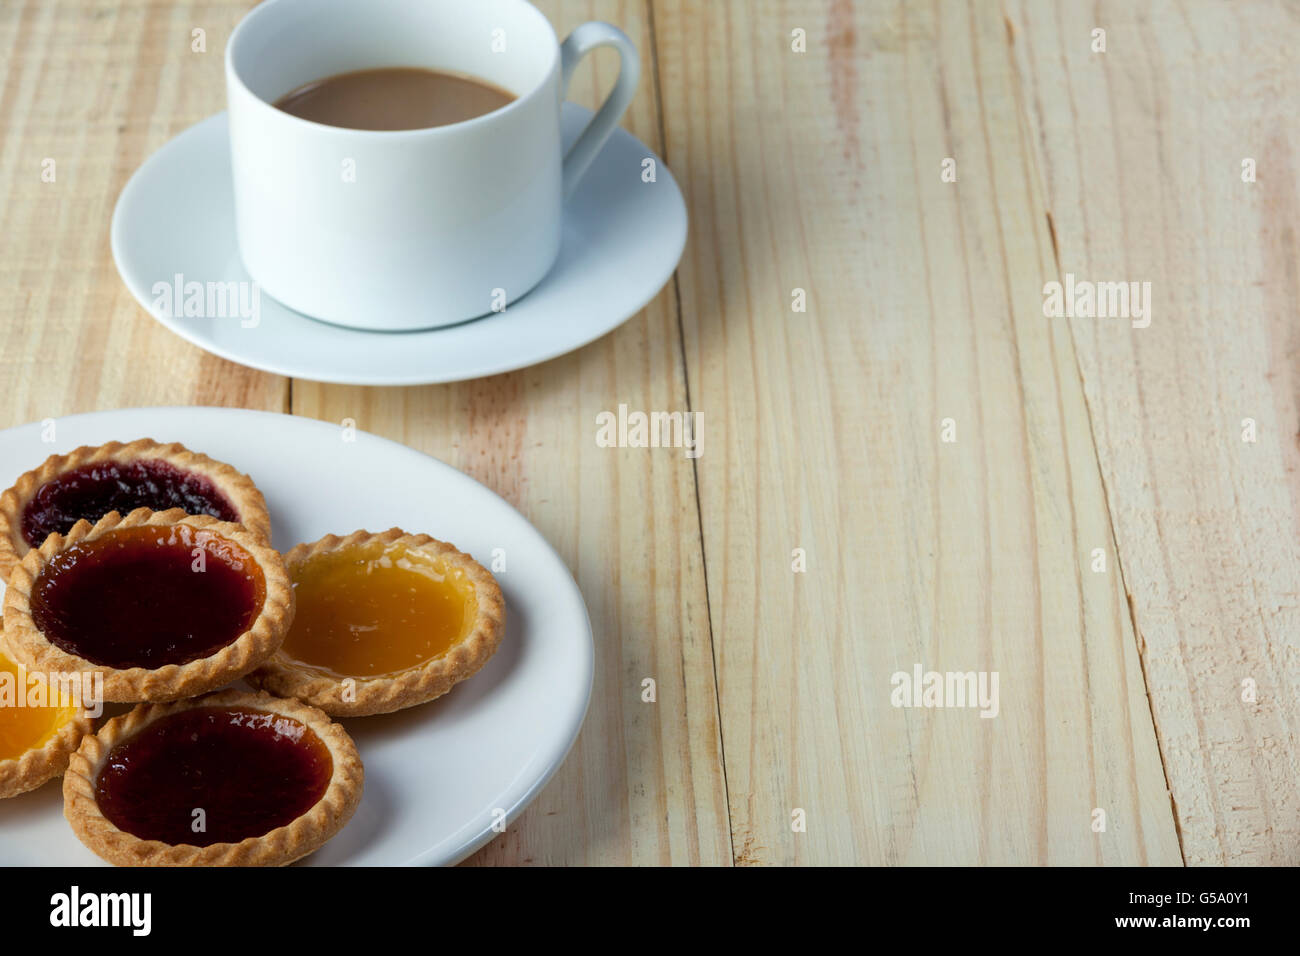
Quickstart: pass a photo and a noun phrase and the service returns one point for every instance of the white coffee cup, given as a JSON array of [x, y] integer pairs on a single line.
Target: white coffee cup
[[409, 229]]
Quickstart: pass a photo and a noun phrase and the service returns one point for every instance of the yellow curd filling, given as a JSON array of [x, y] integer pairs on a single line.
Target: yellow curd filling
[[24, 727], [372, 610]]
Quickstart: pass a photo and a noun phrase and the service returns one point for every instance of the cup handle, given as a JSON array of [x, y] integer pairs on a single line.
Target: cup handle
[[576, 45]]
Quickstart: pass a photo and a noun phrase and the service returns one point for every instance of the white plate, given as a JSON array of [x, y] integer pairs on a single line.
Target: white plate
[[622, 241], [435, 773]]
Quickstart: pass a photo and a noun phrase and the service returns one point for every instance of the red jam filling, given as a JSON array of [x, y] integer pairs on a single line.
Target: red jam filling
[[248, 772], [94, 490], [147, 597]]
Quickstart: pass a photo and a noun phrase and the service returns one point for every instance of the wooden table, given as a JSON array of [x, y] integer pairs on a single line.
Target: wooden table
[[1159, 683]]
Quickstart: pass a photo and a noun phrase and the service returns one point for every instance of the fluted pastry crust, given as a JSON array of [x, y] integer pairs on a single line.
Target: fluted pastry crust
[[24, 643], [433, 678], [31, 769], [280, 846], [237, 487]]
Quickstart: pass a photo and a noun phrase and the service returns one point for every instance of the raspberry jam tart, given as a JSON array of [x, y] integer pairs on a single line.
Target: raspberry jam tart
[[164, 604], [92, 481], [229, 779]]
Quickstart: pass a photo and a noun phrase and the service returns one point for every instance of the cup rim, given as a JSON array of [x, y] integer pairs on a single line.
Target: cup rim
[[521, 101]]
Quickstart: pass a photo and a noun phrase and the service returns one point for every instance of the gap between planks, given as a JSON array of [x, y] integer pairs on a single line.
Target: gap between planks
[[657, 85], [1032, 157]]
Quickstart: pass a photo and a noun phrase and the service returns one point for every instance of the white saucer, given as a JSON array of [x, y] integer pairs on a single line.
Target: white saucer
[[622, 241], [435, 774]]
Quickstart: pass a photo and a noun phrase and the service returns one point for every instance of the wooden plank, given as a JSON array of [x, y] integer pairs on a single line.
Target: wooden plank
[[1140, 150], [821, 171], [644, 783], [97, 88]]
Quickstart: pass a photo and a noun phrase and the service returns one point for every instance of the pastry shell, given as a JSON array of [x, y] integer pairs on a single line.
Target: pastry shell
[[280, 846], [237, 487], [24, 643], [34, 767], [407, 688]]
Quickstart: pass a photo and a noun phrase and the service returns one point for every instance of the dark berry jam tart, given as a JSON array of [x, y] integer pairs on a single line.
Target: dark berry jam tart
[[90, 482], [164, 604], [229, 779]]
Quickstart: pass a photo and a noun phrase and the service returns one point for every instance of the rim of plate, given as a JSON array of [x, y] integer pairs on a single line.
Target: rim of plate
[[468, 837]]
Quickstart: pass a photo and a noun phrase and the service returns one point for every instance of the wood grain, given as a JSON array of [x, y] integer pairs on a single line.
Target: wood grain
[[644, 783], [1121, 690], [1140, 152], [821, 171], [98, 87]]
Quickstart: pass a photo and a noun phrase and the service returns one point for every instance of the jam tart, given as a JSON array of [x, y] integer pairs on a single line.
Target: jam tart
[[383, 622], [37, 732], [164, 605], [228, 779], [90, 482]]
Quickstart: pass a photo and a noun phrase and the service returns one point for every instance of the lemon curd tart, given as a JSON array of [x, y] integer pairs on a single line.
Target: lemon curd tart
[[163, 604], [383, 622], [39, 728], [228, 779], [91, 481]]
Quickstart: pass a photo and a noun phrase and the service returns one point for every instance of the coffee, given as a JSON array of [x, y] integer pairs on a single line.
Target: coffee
[[393, 98]]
